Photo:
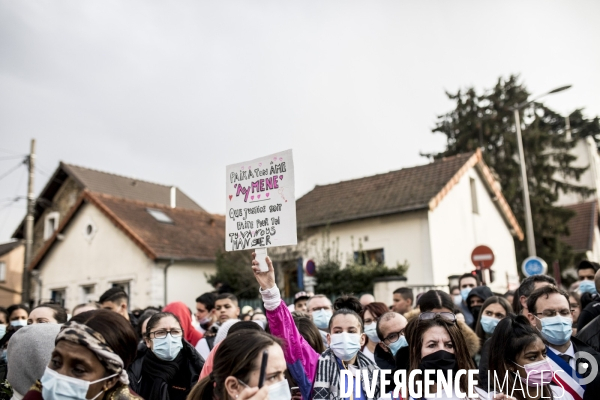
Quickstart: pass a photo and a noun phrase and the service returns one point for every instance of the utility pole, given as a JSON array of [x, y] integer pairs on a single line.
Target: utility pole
[[29, 226]]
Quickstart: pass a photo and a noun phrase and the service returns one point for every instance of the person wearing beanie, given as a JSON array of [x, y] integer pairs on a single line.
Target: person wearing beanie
[[29, 352]]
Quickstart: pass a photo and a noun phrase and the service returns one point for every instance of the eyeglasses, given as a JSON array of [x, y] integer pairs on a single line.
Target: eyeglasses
[[552, 313], [393, 337], [162, 333], [448, 316]]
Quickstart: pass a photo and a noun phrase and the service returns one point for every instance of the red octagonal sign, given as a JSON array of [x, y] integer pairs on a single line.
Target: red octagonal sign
[[482, 257]]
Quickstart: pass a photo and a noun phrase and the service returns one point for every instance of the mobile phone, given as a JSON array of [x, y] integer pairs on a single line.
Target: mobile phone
[[263, 369], [261, 257]]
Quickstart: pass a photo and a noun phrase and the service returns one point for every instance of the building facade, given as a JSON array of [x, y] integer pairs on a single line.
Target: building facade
[[431, 217]]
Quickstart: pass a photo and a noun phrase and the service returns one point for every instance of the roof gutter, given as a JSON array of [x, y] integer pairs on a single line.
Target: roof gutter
[[366, 216]]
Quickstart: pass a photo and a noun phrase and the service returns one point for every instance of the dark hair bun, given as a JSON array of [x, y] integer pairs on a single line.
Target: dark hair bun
[[348, 303]]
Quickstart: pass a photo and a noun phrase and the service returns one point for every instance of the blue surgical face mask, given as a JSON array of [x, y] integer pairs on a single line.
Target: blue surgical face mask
[[321, 318], [488, 324], [19, 322], [345, 345], [2, 330], [397, 345], [587, 287], [167, 348], [464, 293], [556, 330], [371, 332], [61, 387]]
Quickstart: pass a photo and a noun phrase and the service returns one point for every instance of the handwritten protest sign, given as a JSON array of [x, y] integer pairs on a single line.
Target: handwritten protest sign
[[261, 203]]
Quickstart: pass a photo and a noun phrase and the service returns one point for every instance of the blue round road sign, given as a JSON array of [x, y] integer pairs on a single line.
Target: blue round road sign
[[534, 266]]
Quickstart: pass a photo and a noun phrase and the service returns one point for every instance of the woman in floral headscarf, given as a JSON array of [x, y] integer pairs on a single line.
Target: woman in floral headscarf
[[90, 360]]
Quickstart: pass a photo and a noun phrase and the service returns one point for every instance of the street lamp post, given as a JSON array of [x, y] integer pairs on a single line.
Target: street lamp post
[[526, 202]]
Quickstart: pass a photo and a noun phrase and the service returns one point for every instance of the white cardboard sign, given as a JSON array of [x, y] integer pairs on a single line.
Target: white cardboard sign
[[261, 203]]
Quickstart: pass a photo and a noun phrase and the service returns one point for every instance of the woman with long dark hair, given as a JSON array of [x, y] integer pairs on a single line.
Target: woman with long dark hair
[[437, 343], [493, 310], [518, 361]]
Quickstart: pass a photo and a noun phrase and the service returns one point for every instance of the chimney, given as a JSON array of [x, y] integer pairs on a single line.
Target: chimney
[[173, 196]]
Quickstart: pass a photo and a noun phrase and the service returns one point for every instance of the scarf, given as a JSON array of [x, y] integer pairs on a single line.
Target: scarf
[[85, 336], [327, 380], [157, 374]]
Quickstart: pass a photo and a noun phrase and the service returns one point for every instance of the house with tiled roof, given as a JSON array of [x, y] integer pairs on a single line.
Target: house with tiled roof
[[430, 216], [96, 230], [584, 238]]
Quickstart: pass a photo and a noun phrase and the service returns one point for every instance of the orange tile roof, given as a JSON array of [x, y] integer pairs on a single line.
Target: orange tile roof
[[193, 235], [408, 189]]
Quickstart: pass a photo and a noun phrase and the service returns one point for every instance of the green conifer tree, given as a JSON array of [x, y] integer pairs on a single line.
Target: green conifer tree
[[486, 121]]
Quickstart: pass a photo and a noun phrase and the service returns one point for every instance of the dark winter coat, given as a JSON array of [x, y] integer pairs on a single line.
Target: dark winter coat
[[178, 388]]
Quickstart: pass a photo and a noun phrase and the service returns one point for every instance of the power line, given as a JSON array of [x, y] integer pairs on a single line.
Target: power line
[[12, 169], [12, 157]]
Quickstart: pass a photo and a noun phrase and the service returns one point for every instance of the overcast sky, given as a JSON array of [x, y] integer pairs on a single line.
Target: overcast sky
[[173, 91]]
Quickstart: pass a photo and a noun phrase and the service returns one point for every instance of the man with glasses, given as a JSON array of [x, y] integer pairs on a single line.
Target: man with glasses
[[320, 311], [550, 312], [390, 330]]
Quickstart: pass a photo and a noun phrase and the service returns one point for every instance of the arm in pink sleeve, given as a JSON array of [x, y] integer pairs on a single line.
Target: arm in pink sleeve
[[301, 358]]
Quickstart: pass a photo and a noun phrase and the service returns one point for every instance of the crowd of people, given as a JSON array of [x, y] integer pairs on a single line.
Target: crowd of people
[[539, 338]]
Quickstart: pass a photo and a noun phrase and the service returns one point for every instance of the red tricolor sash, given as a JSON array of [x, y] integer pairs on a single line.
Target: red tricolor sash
[[565, 376]]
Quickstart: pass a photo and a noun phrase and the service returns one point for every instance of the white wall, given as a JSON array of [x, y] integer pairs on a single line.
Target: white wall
[[587, 156], [109, 256], [402, 236], [186, 281], [456, 231]]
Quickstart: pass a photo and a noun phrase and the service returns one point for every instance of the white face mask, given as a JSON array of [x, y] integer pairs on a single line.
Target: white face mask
[[277, 391], [280, 391], [56, 386], [345, 345], [19, 322]]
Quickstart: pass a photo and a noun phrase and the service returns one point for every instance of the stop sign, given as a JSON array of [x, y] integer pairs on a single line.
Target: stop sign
[[482, 257]]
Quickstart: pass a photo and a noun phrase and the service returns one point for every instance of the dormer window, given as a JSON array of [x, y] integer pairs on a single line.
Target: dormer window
[[50, 224], [159, 215]]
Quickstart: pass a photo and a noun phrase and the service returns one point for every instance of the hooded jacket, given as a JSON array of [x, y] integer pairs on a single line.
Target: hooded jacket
[[483, 292]]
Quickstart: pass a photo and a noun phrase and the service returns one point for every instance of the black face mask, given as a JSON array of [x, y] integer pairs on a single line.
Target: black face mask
[[475, 310], [441, 360]]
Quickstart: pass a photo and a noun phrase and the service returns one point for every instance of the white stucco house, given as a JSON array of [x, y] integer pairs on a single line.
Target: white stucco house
[[431, 216], [583, 227], [586, 151], [157, 253]]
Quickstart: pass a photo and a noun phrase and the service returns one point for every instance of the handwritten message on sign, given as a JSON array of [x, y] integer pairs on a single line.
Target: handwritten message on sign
[[261, 203]]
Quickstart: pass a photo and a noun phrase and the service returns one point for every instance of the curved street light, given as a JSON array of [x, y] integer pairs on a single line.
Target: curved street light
[[528, 217]]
